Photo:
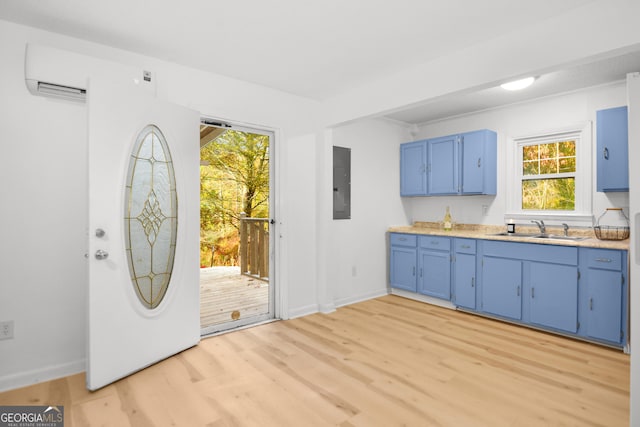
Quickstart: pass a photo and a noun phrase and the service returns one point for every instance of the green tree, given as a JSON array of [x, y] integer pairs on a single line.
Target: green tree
[[234, 178]]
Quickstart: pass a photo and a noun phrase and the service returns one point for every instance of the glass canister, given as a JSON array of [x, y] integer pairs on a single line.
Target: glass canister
[[613, 224]]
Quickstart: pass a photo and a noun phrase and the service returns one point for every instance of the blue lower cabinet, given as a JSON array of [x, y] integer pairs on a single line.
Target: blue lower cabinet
[[502, 287], [465, 280], [605, 304], [434, 273], [403, 261], [604, 291], [564, 289], [553, 296], [403, 268]]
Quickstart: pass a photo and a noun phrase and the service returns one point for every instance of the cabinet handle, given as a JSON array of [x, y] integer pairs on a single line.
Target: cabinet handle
[[420, 271], [465, 246], [591, 304], [473, 282], [435, 242], [414, 271], [605, 153], [518, 290], [603, 259], [532, 294], [479, 161], [402, 239]]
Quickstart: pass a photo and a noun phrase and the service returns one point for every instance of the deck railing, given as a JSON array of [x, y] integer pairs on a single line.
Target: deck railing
[[254, 247]]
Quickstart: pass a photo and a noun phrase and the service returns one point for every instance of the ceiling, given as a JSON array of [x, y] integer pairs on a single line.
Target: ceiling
[[315, 49]]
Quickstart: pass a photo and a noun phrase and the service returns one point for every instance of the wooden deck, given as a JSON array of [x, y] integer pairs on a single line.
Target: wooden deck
[[226, 295]]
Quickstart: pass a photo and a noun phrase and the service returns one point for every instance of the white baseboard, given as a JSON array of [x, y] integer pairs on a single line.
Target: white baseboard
[[303, 311], [423, 298], [23, 379], [363, 297]]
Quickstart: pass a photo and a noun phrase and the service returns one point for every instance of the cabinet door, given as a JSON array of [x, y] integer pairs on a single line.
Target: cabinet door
[[553, 296], [478, 170], [403, 268], [443, 165], [613, 151], [435, 274], [502, 287], [604, 289], [465, 280], [413, 176]]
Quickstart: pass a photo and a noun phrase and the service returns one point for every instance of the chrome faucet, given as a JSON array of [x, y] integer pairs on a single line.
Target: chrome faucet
[[566, 228], [540, 225]]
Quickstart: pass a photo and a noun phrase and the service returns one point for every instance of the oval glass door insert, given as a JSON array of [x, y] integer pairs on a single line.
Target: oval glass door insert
[[151, 216]]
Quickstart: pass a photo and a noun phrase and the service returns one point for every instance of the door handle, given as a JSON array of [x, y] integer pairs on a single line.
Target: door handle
[[100, 254], [605, 153]]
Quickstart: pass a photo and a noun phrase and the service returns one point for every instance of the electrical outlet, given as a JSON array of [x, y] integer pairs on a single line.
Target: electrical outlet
[[6, 330], [485, 210]]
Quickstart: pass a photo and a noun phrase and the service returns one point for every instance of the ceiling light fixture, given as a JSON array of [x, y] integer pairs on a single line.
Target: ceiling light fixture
[[518, 84]]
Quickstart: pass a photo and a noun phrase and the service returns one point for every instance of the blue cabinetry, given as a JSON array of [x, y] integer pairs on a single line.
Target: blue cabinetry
[[612, 149], [449, 165], [605, 307], [553, 296], [402, 262], [434, 264], [479, 157], [464, 273], [413, 169], [502, 287], [581, 292], [443, 163]]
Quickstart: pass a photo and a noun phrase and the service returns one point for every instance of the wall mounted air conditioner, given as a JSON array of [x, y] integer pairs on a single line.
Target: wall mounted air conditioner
[[55, 73]]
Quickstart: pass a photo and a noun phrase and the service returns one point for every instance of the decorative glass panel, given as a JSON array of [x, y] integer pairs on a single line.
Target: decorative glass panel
[[151, 216]]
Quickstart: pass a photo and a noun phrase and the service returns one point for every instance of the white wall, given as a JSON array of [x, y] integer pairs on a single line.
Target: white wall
[[355, 249], [44, 196], [514, 121]]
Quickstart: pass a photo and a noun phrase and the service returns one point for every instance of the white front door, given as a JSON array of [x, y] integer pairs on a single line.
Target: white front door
[[143, 231]]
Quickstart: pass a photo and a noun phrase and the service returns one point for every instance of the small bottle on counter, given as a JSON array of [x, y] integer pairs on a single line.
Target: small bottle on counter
[[511, 226], [447, 220]]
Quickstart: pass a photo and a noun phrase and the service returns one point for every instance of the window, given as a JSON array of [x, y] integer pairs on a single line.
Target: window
[[551, 176]]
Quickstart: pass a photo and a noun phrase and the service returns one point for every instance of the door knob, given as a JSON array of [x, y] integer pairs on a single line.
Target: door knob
[[100, 254]]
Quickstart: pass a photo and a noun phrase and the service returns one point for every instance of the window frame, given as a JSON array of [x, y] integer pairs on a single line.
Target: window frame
[[583, 212]]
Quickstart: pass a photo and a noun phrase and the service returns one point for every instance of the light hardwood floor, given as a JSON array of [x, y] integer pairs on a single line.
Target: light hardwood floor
[[383, 362]]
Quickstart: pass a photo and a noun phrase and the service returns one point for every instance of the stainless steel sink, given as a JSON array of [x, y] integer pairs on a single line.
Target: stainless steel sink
[[556, 237], [540, 236], [504, 233]]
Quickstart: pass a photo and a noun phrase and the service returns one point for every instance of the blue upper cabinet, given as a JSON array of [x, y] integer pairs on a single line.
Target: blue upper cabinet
[[479, 158], [413, 169], [612, 149], [443, 161], [449, 165]]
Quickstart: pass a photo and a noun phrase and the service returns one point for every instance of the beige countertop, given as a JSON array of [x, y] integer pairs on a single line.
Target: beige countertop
[[487, 232]]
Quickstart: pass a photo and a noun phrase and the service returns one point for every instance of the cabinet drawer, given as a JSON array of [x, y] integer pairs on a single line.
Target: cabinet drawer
[[397, 239], [435, 242], [465, 246], [604, 259], [532, 252]]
